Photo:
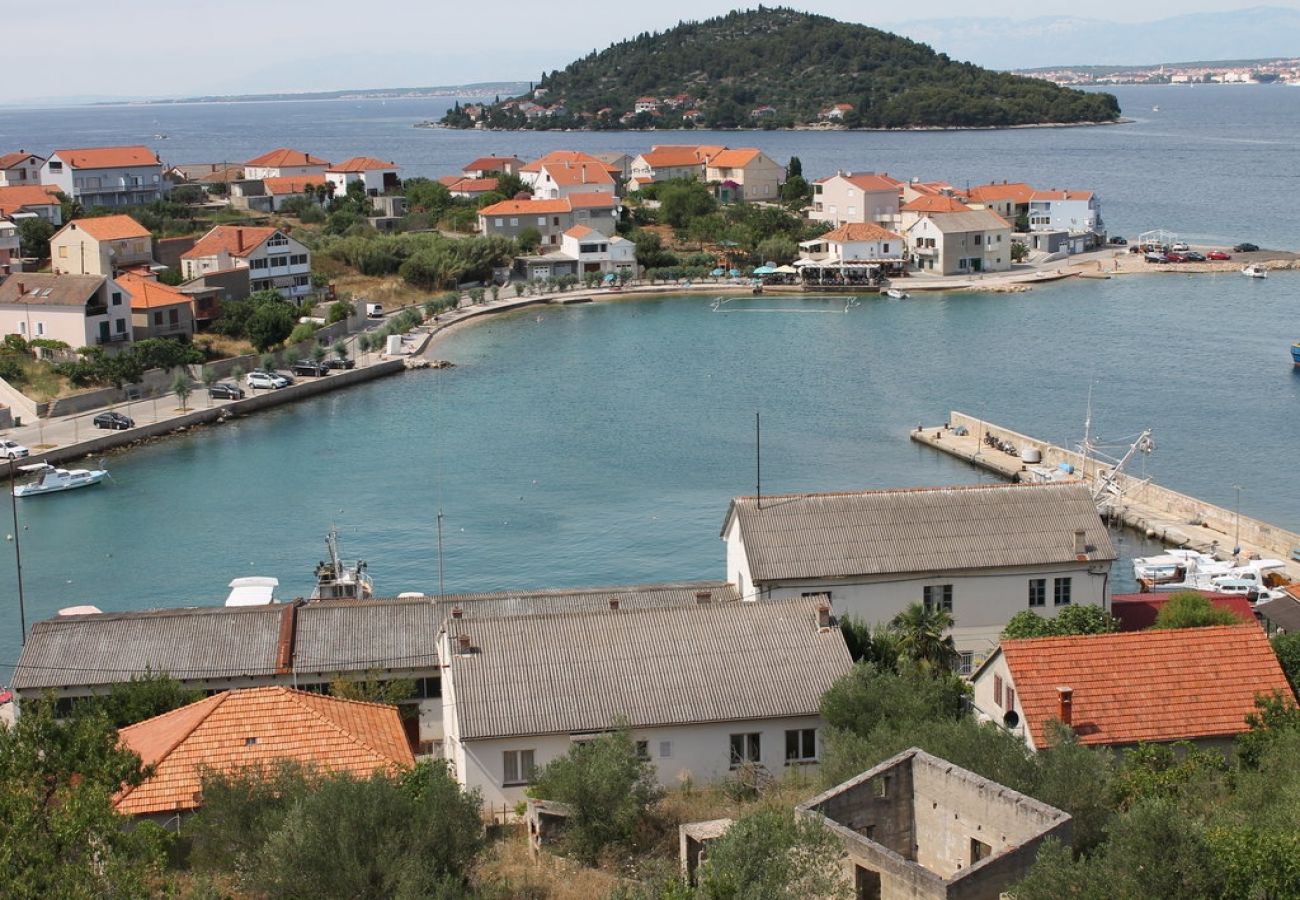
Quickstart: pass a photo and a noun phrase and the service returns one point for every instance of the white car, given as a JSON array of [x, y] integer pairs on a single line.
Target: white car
[[12, 450], [1180, 247], [267, 380]]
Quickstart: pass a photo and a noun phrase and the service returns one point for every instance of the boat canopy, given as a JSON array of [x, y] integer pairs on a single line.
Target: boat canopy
[[255, 590]]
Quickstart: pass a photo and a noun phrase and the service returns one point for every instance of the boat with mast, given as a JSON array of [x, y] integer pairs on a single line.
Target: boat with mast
[[337, 581]]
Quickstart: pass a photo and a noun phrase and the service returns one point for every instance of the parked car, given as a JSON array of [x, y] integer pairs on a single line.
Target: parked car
[[1119, 241], [1193, 256], [310, 367], [1156, 257], [374, 310], [1218, 254], [12, 450], [224, 390], [1175, 257], [1245, 248], [114, 421], [335, 362], [1180, 246], [267, 380]]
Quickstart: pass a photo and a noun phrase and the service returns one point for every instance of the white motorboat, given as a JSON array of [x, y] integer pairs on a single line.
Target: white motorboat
[[897, 294], [1178, 568], [1254, 270], [53, 480]]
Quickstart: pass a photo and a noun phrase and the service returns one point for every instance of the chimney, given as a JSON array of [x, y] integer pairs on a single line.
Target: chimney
[[457, 612], [703, 596], [22, 288], [1080, 545], [823, 615], [1065, 706], [462, 644], [239, 239], [613, 603]]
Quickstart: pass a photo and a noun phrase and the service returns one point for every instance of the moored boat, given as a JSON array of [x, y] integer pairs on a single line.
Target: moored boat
[[1295, 353], [897, 294], [54, 480], [336, 581], [1254, 270]]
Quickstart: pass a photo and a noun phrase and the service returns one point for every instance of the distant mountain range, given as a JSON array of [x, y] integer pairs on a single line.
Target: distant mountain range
[[480, 90], [1047, 41]]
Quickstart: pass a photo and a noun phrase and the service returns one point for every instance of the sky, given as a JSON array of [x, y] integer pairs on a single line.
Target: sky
[[132, 48]]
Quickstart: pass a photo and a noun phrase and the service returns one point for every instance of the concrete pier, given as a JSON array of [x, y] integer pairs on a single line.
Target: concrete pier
[[1158, 512]]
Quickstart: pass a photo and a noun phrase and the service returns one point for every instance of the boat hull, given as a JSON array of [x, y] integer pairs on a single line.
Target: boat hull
[[1295, 354], [33, 490]]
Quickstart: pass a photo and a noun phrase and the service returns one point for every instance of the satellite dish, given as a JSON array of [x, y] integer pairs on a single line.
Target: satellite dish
[[1011, 719]]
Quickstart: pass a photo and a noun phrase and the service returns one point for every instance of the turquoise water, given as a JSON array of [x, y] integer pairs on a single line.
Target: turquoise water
[[601, 443]]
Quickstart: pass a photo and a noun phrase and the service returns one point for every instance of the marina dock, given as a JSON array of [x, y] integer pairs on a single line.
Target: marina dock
[[1159, 513]]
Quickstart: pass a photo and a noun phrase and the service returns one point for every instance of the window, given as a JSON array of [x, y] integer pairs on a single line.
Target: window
[[277, 261], [997, 690], [643, 750], [966, 662], [119, 325], [1037, 592], [56, 166], [518, 767], [117, 298], [541, 220], [1061, 591], [63, 252], [498, 222], [157, 318], [298, 259], [257, 264], [173, 317], [665, 749], [514, 220], [22, 327], [800, 745], [277, 240], [1009, 697], [938, 597], [301, 280], [40, 328], [884, 248], [979, 850], [745, 748]]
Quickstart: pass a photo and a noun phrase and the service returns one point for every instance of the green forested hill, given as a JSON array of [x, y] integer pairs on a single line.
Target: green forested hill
[[796, 63]]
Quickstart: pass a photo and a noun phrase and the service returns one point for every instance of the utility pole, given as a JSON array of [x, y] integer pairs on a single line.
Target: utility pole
[[18, 554], [758, 458], [1236, 541]]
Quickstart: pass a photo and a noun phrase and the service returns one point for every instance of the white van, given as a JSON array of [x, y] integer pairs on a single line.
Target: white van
[[374, 310]]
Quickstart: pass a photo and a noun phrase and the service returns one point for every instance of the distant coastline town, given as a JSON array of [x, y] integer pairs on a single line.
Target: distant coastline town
[[1258, 71], [702, 738]]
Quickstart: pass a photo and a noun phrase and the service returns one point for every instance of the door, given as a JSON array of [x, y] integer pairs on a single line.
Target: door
[[866, 883], [103, 332]]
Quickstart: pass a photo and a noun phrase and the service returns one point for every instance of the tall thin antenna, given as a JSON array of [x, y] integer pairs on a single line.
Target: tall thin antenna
[[440, 553], [758, 458], [18, 553]]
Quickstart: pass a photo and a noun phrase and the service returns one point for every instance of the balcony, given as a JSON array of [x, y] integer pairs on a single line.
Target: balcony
[[96, 310], [112, 339]]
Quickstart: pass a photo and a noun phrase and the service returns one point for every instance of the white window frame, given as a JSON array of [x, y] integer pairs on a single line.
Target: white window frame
[[518, 767]]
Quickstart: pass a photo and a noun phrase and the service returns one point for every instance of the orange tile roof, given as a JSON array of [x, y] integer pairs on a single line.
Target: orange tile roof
[[149, 293], [870, 181], [669, 156], [579, 232], [526, 207], [9, 160], [1016, 192], [237, 729], [363, 164], [1061, 195], [291, 184], [283, 157], [563, 156], [472, 185], [860, 231], [579, 173], [227, 238], [16, 197], [1165, 685], [733, 159], [108, 157], [109, 228], [592, 201], [936, 203], [493, 164]]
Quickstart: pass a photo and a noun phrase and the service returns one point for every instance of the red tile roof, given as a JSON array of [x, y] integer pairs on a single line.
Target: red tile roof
[[733, 159], [18, 196], [671, 156], [109, 228], [1138, 611], [860, 231], [526, 208], [364, 164], [563, 156], [1016, 192], [936, 203], [237, 729], [237, 240], [870, 181], [149, 293], [1061, 195], [579, 173], [9, 160], [1165, 685], [592, 201], [579, 232], [472, 185], [493, 164], [108, 157], [291, 184], [283, 157]]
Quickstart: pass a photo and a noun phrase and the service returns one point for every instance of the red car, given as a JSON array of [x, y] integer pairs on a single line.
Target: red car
[[1218, 254], [1175, 257]]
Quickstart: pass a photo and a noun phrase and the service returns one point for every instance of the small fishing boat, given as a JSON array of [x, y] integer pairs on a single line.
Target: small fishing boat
[[1295, 354], [897, 294], [336, 581], [53, 480], [1254, 270]]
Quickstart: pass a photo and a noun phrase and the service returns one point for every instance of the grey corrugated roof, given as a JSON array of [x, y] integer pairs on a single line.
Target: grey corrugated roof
[[356, 635], [555, 600], [45, 289], [1284, 612], [917, 530], [975, 220], [582, 672], [192, 643]]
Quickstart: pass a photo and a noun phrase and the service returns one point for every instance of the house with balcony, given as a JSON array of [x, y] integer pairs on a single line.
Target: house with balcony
[[551, 218], [847, 197], [1010, 200], [282, 162], [20, 168], [107, 176], [851, 253], [1073, 215], [157, 310], [79, 310], [556, 180], [25, 201], [646, 105], [10, 247], [275, 261], [487, 166], [530, 173], [583, 251], [668, 162], [744, 174], [981, 553], [376, 175], [960, 243], [102, 245], [929, 205]]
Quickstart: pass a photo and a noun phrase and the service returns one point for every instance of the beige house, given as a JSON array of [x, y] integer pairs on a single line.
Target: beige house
[[100, 246], [79, 310], [157, 310], [667, 162], [846, 198], [960, 243], [745, 174]]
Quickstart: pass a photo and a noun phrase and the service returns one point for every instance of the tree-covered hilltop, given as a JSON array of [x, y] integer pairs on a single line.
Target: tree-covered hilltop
[[777, 67]]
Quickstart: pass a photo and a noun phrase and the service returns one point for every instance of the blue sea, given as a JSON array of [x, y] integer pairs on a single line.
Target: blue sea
[[600, 444]]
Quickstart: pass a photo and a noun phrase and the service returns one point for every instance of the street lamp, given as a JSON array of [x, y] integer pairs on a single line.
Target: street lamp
[[18, 555], [1236, 541]]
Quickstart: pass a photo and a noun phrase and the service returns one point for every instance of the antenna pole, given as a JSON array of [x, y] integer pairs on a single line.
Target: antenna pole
[[758, 458], [439, 553], [18, 554]]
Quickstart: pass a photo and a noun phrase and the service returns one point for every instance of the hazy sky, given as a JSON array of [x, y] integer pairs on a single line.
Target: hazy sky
[[139, 48]]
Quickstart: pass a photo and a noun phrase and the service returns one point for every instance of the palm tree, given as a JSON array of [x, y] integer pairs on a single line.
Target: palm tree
[[923, 637]]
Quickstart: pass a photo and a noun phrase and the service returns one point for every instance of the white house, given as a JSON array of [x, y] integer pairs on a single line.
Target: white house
[[376, 175], [10, 245], [107, 176], [1076, 212], [37, 200], [275, 261], [556, 180], [20, 168], [80, 310], [981, 552], [531, 173], [666, 162], [855, 242], [597, 253], [704, 689], [279, 191], [846, 197], [283, 162]]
